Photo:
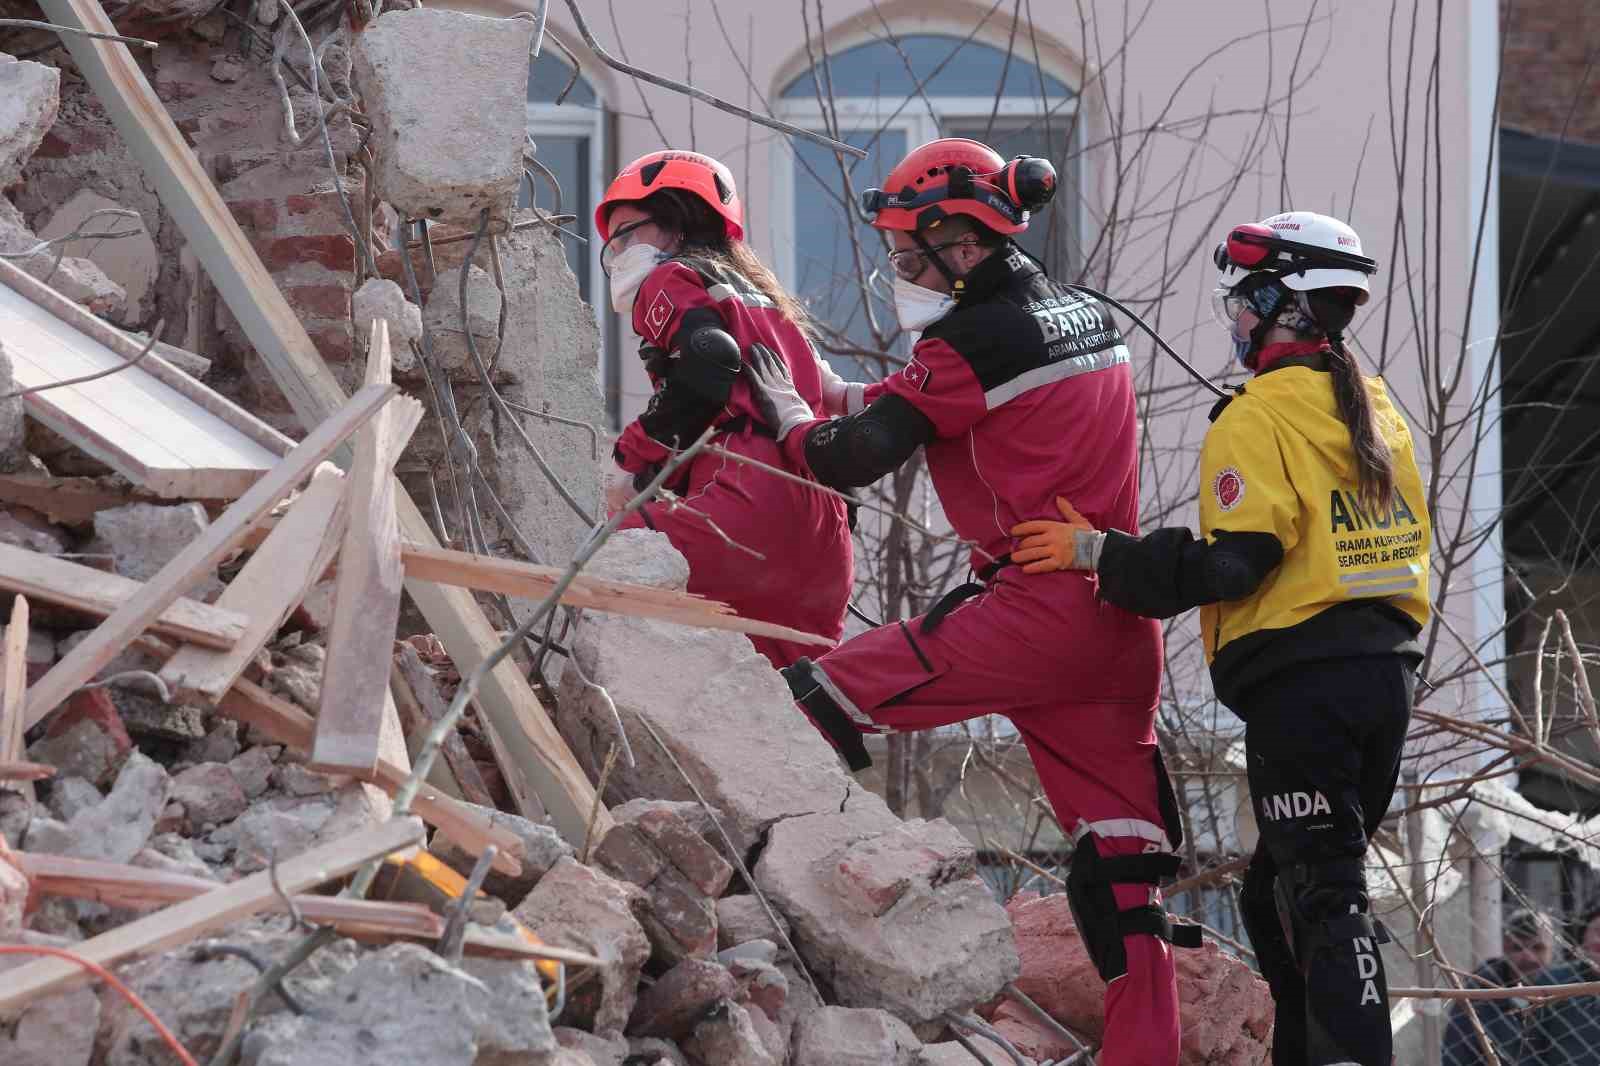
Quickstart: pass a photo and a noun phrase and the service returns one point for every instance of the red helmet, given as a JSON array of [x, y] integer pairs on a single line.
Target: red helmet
[[956, 176], [670, 169]]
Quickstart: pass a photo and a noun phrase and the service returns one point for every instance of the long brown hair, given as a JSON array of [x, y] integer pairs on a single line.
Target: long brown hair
[[1333, 309], [705, 235]]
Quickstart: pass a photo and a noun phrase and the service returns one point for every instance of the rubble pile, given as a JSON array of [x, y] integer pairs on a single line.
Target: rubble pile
[[733, 898]]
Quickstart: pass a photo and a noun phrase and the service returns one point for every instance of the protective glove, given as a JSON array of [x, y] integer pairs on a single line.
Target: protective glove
[[772, 389], [1071, 545]]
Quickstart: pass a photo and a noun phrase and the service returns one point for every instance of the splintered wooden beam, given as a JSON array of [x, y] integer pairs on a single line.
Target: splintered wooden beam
[[532, 581], [219, 907], [118, 885], [94, 592], [267, 589], [13, 696], [430, 707], [366, 603], [539, 767], [283, 723], [198, 556]]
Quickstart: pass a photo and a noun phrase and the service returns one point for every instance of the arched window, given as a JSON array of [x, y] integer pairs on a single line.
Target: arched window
[[890, 95]]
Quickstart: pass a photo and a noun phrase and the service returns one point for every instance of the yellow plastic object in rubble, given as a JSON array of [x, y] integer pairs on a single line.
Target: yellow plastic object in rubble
[[422, 878]]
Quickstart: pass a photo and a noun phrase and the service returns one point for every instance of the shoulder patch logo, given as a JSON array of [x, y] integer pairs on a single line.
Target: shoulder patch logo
[[1228, 486], [659, 314], [916, 375]]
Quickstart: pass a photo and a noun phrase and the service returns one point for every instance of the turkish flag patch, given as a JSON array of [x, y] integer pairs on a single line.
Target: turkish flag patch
[[917, 376], [659, 314], [1228, 486]]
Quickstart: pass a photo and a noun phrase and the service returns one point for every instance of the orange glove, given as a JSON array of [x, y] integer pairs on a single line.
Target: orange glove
[[1070, 545]]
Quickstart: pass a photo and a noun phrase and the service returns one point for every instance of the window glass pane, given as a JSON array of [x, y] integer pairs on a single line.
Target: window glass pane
[[548, 75], [1051, 234], [568, 158], [826, 278], [946, 66]]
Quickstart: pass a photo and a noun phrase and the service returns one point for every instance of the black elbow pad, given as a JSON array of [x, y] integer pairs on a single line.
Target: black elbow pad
[[1237, 563], [708, 357], [856, 450]]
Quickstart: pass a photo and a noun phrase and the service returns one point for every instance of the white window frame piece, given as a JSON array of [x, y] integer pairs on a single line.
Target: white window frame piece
[[566, 120], [913, 119]]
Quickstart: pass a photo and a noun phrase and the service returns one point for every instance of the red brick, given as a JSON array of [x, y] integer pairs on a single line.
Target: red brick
[[258, 215], [334, 343], [691, 853], [625, 854], [92, 705], [336, 251], [319, 301]]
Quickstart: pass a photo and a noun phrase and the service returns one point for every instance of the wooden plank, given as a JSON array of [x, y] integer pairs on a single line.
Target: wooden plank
[[184, 921], [71, 501], [284, 723], [200, 555], [13, 696], [528, 580], [538, 765], [119, 885], [25, 771], [155, 435], [366, 605], [414, 725], [95, 592], [268, 587], [420, 683]]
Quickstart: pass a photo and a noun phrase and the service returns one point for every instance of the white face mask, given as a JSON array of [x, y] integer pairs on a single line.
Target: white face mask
[[628, 271], [917, 307]]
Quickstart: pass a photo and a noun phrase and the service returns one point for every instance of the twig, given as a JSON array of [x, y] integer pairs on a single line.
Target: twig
[[599, 790], [698, 94]]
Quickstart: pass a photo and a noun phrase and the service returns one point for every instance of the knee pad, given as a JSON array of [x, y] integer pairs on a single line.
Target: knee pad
[[1101, 923], [1324, 904], [1258, 912], [833, 721]]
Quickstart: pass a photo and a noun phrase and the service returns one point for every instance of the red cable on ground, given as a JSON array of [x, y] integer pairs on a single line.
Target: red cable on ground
[[111, 979]]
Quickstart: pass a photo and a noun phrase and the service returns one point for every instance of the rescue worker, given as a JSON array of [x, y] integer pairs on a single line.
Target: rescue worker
[[1017, 386], [701, 302], [1312, 584]]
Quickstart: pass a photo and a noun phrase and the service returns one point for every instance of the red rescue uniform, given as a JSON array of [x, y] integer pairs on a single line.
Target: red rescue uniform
[[1030, 396], [804, 580]]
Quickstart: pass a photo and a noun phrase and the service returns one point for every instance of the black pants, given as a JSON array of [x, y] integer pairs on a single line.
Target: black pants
[[1323, 741]]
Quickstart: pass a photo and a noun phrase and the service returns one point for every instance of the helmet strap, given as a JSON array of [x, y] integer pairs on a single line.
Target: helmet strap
[[956, 284]]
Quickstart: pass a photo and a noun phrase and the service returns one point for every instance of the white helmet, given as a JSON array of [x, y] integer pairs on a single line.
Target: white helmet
[[1302, 249]]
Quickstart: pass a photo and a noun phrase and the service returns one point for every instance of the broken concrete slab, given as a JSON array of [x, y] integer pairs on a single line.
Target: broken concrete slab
[[220, 744], [599, 1050], [193, 991], [448, 136], [30, 96], [672, 1006], [741, 919], [141, 538], [515, 1025], [448, 333], [687, 682], [381, 299], [116, 828], [131, 262], [253, 770], [542, 848], [889, 913], [210, 795], [578, 907], [727, 1036], [69, 796], [54, 1030], [22, 527], [952, 1053], [400, 1004], [75, 278], [843, 1036]]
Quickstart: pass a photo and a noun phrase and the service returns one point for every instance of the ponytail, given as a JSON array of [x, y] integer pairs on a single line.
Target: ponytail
[[1332, 309], [1374, 461]]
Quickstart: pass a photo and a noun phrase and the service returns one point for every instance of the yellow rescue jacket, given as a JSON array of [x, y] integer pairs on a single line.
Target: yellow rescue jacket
[[1278, 460]]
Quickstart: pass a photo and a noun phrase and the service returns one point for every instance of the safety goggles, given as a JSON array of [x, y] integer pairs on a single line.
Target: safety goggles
[[910, 262], [1257, 247], [619, 243], [1227, 306]]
